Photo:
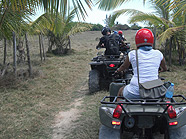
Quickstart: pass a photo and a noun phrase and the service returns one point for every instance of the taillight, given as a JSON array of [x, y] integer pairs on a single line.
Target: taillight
[[171, 112], [117, 111], [116, 123], [173, 123], [111, 65]]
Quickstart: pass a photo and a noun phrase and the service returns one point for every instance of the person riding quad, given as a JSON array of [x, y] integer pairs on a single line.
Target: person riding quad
[[115, 32], [149, 62], [109, 41], [121, 35], [123, 46]]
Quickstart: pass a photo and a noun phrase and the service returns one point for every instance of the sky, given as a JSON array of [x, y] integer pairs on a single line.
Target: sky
[[96, 16]]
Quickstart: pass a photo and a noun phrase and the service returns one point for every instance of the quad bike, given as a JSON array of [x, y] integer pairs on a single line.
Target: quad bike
[[102, 68], [142, 118]]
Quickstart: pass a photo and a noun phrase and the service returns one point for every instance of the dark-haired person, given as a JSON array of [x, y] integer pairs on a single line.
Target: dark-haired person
[[107, 39]]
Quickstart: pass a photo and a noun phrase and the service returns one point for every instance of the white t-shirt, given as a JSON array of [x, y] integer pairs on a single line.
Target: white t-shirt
[[149, 63]]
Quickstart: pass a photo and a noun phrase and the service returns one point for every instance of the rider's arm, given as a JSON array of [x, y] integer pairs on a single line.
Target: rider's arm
[[101, 43], [163, 65], [125, 65]]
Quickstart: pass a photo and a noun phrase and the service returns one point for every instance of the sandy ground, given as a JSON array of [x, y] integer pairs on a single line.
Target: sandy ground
[[64, 120]]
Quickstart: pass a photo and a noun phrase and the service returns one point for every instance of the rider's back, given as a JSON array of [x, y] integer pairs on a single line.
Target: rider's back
[[112, 44], [149, 62]]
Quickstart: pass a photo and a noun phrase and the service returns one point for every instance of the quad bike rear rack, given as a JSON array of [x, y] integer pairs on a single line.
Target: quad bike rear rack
[[175, 100], [108, 58]]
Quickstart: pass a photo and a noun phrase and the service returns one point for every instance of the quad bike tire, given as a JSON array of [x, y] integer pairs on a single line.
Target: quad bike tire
[[94, 81]]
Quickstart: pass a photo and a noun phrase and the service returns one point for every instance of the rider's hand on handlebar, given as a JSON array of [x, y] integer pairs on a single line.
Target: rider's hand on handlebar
[[116, 72]]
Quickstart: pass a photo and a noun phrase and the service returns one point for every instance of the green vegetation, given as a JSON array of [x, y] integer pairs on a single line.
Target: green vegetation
[[167, 23], [97, 27], [135, 27], [58, 29]]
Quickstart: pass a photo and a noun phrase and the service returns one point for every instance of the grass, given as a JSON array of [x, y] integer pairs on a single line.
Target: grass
[[87, 126], [28, 106]]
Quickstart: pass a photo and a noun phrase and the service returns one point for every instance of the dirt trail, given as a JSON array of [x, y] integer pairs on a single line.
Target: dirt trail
[[63, 123], [64, 120]]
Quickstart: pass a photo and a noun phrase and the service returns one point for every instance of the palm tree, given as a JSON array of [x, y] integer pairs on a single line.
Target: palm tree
[[161, 19], [53, 6], [12, 21], [58, 29], [15, 12]]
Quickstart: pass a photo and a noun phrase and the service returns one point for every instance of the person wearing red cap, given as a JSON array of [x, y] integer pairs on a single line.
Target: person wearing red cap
[[121, 35], [149, 62]]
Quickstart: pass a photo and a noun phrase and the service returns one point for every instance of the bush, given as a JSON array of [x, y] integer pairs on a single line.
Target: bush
[[96, 27], [135, 27], [121, 27]]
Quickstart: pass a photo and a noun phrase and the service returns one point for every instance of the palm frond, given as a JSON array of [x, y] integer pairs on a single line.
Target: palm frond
[[45, 21], [157, 21], [79, 27], [14, 21], [20, 5], [111, 4], [168, 33], [178, 3], [118, 13]]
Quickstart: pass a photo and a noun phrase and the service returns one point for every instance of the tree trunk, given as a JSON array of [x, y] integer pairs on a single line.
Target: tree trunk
[[4, 61], [28, 56], [43, 46], [179, 52], [69, 42], [50, 44], [182, 53], [170, 52], [14, 55], [41, 55], [4, 70]]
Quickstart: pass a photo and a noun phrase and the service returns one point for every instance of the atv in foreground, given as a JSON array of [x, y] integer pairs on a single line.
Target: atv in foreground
[[102, 68], [142, 118]]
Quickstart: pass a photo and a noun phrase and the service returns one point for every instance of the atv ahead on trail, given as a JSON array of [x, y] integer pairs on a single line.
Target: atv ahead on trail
[[102, 68], [142, 118]]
